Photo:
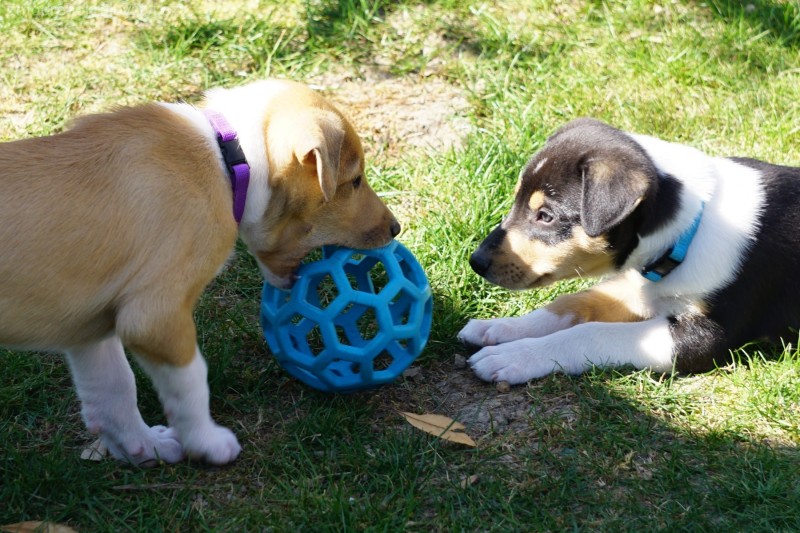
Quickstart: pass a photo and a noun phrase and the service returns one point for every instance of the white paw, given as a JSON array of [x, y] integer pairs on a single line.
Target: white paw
[[490, 332], [514, 362], [503, 330], [472, 332], [535, 324], [211, 443], [146, 447]]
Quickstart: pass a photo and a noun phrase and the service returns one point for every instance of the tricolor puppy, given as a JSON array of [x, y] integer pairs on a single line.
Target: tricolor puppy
[[110, 230], [702, 251]]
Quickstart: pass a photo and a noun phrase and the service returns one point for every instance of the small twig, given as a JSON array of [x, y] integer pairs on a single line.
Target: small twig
[[154, 486]]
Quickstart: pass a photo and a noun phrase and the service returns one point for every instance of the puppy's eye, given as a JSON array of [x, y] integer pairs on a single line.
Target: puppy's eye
[[544, 217], [357, 182]]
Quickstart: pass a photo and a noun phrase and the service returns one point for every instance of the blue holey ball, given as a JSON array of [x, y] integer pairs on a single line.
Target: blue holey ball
[[355, 319]]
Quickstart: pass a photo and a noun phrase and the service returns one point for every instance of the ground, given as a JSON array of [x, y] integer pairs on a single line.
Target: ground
[[405, 118]]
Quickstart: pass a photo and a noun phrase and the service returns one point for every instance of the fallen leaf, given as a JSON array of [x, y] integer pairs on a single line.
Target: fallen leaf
[[441, 426], [469, 481], [36, 527], [95, 452]]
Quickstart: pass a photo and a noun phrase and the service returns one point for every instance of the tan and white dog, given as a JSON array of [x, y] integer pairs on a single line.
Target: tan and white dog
[[110, 231]]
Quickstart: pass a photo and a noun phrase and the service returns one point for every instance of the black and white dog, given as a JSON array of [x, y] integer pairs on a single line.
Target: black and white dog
[[704, 251]]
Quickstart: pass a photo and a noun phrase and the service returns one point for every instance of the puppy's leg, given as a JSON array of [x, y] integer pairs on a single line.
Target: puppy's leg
[[647, 344], [164, 345], [105, 384], [184, 394], [616, 300]]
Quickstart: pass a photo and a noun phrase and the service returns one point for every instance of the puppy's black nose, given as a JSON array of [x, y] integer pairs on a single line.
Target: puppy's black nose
[[395, 228], [480, 262]]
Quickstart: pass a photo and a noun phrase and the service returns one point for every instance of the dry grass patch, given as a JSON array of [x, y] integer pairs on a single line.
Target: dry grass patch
[[396, 116]]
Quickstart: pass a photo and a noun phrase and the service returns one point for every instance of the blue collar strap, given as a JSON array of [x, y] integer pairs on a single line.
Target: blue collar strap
[[668, 262]]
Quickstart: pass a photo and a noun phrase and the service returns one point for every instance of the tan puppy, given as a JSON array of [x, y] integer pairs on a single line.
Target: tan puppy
[[111, 230]]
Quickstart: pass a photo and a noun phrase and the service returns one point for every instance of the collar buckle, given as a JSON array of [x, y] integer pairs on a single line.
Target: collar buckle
[[662, 266], [232, 152], [672, 259]]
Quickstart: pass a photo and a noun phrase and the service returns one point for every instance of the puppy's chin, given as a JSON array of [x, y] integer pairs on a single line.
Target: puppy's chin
[[541, 281], [279, 282], [533, 282]]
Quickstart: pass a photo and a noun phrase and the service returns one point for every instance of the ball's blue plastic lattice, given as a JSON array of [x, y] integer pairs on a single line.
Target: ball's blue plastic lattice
[[355, 319]]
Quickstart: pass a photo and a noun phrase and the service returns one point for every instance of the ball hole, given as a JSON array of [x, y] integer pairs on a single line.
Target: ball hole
[[341, 334], [400, 307], [367, 324], [314, 341], [326, 292], [383, 361], [379, 277], [359, 273]]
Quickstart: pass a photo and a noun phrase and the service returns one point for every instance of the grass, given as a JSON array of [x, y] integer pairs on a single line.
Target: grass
[[612, 451]]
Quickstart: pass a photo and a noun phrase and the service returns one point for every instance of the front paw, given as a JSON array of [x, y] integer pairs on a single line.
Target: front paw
[[216, 445], [513, 362], [479, 333]]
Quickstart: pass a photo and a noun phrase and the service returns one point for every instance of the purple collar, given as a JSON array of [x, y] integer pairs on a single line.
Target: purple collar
[[234, 158]]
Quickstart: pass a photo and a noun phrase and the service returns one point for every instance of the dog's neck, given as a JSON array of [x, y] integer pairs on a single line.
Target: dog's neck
[[674, 256], [251, 141], [245, 109], [691, 179]]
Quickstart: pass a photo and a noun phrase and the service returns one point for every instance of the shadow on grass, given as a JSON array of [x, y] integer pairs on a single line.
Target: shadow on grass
[[265, 43], [599, 460], [227, 47], [780, 19], [605, 451]]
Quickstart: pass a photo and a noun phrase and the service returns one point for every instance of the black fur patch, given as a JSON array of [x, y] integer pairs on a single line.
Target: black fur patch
[[588, 171], [695, 338], [763, 302], [653, 213]]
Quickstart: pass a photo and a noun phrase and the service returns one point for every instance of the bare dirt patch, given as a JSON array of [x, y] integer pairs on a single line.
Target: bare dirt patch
[[398, 115], [450, 388]]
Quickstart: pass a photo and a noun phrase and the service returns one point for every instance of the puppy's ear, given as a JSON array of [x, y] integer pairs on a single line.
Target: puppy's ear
[[610, 193], [319, 146]]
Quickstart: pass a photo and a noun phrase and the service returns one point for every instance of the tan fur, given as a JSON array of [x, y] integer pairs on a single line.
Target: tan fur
[[111, 230], [524, 263], [601, 170], [616, 300], [105, 227], [536, 201]]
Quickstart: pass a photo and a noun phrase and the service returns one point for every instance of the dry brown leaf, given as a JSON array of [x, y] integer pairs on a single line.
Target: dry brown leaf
[[36, 527], [469, 481], [441, 426], [96, 451]]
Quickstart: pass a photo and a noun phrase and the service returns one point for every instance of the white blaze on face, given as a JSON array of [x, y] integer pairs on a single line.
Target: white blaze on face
[[536, 169]]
